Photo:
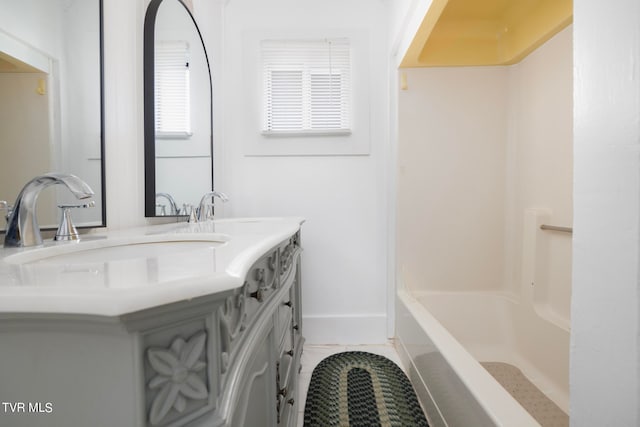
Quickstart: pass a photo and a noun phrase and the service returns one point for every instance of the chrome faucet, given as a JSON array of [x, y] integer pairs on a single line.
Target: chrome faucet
[[204, 209], [173, 207], [22, 225]]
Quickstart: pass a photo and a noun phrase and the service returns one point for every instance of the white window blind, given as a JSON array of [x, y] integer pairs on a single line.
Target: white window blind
[[307, 86], [172, 96]]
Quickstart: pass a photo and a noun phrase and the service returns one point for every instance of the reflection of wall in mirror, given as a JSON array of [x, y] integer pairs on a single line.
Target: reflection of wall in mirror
[[80, 103], [24, 119], [68, 114], [183, 166]]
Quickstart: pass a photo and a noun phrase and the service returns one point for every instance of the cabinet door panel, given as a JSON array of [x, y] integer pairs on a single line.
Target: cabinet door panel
[[256, 403]]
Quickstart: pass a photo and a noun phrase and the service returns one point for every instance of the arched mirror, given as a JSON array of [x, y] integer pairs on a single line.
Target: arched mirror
[[51, 115], [178, 128]]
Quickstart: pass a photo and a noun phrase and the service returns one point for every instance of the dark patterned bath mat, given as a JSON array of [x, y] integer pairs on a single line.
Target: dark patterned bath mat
[[359, 389]]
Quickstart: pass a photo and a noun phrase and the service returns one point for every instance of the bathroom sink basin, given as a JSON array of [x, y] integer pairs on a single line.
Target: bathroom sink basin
[[119, 249]]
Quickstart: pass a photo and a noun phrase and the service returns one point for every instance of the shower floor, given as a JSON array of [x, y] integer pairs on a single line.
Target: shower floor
[[547, 413]]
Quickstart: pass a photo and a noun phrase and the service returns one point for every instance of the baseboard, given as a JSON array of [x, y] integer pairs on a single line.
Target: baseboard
[[345, 329]]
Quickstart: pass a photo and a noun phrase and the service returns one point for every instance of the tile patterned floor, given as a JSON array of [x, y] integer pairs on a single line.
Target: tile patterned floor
[[314, 354]]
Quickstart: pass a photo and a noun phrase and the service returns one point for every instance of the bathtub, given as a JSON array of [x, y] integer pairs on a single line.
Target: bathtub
[[442, 336]]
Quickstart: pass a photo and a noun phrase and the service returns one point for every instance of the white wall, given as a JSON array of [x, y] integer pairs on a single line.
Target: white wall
[[405, 17], [123, 25], [539, 176], [604, 336], [78, 112], [342, 197], [39, 28], [451, 178]]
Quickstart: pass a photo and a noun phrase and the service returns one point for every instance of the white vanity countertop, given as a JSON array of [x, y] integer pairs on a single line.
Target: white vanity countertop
[[120, 272]]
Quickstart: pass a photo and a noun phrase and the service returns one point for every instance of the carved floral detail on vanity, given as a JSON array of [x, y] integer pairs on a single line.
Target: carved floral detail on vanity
[[176, 371]]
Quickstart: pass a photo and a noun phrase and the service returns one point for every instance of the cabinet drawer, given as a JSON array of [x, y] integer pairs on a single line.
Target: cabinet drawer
[[287, 403], [285, 359], [284, 319], [287, 410]]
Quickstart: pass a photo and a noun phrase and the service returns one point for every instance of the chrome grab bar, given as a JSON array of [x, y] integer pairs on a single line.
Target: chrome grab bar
[[556, 228]]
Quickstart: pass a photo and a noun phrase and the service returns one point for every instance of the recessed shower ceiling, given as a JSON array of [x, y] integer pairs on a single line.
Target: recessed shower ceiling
[[485, 32]]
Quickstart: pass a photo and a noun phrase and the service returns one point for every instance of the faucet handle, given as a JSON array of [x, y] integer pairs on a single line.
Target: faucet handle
[[205, 213], [89, 204], [190, 211], [66, 229], [162, 208]]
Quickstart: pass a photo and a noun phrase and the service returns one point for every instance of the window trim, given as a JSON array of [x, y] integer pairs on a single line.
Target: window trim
[[356, 142], [306, 133], [310, 59]]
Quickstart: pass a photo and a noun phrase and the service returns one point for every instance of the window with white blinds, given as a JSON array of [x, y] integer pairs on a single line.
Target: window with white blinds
[[306, 86], [172, 90]]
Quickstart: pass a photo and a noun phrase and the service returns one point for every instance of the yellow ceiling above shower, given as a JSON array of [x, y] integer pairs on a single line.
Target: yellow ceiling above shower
[[485, 32]]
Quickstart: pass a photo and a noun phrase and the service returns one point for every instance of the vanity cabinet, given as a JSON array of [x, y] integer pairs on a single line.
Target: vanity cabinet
[[227, 359], [237, 357]]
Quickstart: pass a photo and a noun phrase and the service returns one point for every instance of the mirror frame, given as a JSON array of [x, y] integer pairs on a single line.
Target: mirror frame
[[149, 106], [103, 172]]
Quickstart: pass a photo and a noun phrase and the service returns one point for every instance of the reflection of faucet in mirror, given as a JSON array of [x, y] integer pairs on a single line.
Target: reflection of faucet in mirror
[[173, 207], [22, 228], [7, 209], [204, 209]]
